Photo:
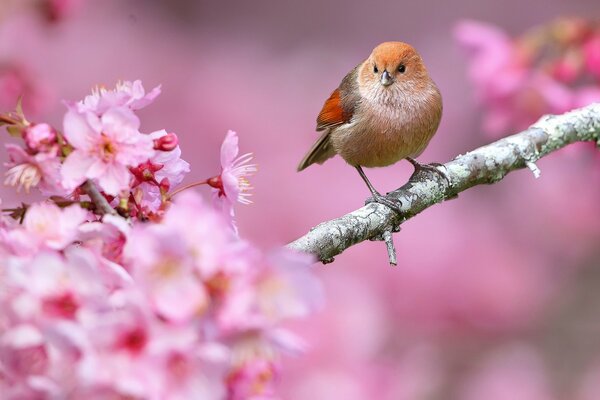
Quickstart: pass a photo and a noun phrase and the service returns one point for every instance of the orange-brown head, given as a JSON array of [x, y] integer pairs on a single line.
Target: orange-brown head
[[392, 67]]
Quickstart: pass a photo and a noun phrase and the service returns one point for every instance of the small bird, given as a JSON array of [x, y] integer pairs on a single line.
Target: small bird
[[386, 109]]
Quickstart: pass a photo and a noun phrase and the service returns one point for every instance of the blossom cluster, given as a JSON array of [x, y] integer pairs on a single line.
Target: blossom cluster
[[551, 69], [120, 286]]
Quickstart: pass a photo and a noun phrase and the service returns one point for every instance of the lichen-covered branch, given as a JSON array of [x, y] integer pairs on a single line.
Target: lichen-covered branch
[[487, 164]]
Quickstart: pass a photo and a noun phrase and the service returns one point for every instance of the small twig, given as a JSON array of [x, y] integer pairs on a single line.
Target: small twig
[[485, 165], [185, 187], [391, 250], [102, 205]]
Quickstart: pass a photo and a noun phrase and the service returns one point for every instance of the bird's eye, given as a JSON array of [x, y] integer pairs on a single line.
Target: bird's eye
[[402, 68], [375, 69]]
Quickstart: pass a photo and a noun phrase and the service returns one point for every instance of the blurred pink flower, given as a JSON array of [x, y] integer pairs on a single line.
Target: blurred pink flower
[[164, 267], [23, 352], [104, 148], [109, 235], [45, 226], [493, 66], [253, 380], [517, 81], [591, 51], [126, 94], [278, 287], [52, 226], [40, 170], [16, 82]]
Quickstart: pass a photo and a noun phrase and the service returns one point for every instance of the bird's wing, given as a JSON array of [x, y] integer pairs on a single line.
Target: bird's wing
[[337, 110], [339, 107], [332, 114]]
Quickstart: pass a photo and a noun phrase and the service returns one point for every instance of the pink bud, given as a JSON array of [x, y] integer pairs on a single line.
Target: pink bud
[[39, 136], [217, 183], [166, 143], [165, 185]]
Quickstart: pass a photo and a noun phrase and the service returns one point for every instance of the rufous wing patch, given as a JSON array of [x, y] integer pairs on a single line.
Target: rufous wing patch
[[333, 113]]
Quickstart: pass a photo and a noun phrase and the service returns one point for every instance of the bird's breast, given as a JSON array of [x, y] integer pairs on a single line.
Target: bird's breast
[[384, 132]]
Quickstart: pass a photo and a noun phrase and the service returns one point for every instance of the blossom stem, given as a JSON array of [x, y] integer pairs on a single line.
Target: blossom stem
[[102, 205], [182, 188], [5, 119]]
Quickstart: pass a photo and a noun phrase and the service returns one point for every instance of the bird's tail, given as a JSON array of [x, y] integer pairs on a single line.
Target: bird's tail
[[319, 152]]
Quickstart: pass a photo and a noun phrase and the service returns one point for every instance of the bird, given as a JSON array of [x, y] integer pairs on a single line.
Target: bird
[[385, 110]]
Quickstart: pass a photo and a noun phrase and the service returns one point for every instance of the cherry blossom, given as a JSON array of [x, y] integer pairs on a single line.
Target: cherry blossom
[[232, 184], [27, 171], [126, 94], [104, 148], [164, 170], [519, 79], [160, 299]]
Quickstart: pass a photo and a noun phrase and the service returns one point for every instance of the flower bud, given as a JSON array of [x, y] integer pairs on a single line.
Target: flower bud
[[39, 136], [165, 185], [166, 143]]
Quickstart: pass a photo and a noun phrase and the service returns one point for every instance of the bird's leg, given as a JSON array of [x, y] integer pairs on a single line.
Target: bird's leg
[[377, 197], [433, 167]]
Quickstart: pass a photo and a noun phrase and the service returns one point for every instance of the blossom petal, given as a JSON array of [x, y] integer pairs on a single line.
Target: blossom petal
[[77, 129], [229, 149], [115, 119], [115, 179], [74, 169]]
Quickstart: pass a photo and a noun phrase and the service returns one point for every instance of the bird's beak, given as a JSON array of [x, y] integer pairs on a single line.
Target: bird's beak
[[386, 79]]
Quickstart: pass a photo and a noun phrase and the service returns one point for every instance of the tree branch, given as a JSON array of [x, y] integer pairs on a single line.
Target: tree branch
[[485, 165], [102, 206]]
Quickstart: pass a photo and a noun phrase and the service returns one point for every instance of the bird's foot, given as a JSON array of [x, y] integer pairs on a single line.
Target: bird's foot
[[433, 167], [378, 198]]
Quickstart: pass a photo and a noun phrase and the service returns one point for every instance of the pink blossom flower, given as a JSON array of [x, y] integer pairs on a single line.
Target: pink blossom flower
[[281, 287], [46, 226], [126, 94], [209, 243], [164, 267], [163, 168], [41, 170], [175, 307], [104, 148], [170, 259], [108, 236], [232, 185], [23, 352], [54, 227]]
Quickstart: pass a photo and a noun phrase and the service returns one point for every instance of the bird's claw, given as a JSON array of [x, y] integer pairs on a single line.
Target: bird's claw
[[437, 168], [377, 198]]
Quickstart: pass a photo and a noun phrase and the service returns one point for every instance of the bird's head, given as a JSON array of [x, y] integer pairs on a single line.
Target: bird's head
[[391, 68]]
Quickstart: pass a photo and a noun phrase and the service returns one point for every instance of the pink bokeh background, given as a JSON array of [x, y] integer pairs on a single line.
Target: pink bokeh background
[[495, 293]]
